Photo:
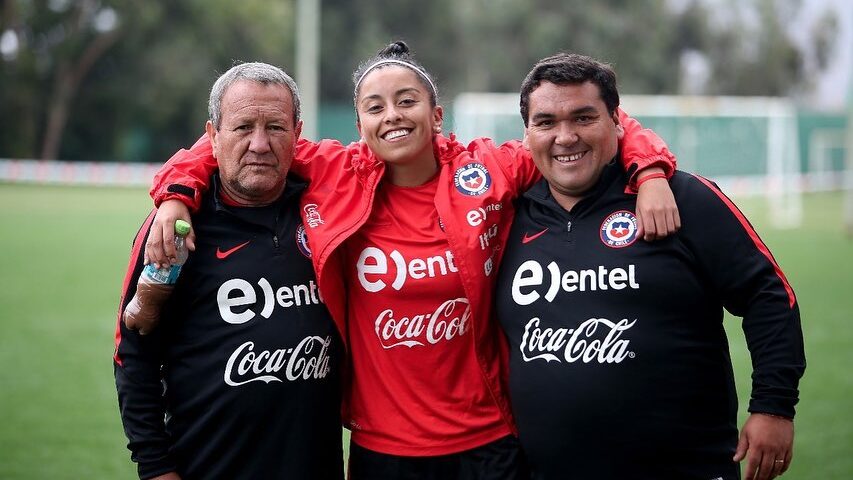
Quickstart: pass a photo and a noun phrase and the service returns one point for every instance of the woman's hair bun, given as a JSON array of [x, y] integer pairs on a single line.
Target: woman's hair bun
[[395, 49]]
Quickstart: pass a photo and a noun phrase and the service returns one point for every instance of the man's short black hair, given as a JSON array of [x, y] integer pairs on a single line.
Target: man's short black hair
[[570, 69]]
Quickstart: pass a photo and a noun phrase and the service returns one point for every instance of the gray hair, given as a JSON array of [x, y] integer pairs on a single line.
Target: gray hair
[[256, 72]]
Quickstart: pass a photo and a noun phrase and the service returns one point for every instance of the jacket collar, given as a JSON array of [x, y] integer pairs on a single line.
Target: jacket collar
[[293, 187], [612, 176]]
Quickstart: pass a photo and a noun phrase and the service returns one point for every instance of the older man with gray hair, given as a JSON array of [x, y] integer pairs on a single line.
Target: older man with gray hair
[[241, 379]]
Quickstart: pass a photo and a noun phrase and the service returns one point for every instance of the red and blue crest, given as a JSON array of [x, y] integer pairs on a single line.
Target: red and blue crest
[[472, 179], [619, 229]]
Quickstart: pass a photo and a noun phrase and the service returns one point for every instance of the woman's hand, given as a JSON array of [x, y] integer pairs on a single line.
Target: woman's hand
[[657, 213], [161, 253]]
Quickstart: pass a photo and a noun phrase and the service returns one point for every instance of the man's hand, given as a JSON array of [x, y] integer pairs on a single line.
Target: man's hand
[[167, 476], [157, 251], [770, 443], [657, 213]]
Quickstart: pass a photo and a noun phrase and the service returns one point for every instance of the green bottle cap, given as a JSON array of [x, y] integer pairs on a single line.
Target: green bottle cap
[[182, 228]]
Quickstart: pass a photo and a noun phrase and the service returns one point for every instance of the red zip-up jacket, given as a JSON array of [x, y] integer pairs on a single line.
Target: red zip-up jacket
[[476, 188]]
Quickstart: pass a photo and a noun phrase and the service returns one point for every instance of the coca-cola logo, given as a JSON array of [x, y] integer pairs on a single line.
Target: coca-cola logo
[[307, 360], [450, 320], [312, 215], [594, 340]]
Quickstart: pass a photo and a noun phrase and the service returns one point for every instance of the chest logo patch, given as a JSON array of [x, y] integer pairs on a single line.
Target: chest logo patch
[[302, 241], [472, 179], [619, 229], [223, 254]]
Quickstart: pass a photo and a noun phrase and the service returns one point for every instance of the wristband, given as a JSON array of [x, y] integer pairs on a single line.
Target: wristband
[[776, 416], [649, 177]]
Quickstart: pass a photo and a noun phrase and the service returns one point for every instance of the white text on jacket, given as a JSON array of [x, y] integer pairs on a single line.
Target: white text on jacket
[[531, 275], [296, 295], [308, 360], [374, 262]]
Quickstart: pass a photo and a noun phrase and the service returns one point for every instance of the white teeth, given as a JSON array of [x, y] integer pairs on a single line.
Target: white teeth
[[568, 158], [396, 134]]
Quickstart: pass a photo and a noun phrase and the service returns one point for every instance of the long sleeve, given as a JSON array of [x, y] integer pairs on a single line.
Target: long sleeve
[[136, 365], [751, 285], [642, 148], [186, 175]]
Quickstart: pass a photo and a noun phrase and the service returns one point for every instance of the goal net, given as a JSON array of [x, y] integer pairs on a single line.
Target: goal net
[[748, 145]]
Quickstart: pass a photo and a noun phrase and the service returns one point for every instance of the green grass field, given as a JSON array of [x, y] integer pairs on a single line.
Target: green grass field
[[64, 253]]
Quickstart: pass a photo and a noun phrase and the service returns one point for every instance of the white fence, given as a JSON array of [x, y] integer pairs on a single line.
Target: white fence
[[111, 174]]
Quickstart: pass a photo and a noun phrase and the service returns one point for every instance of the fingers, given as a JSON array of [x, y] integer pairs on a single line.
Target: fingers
[[753, 462], [656, 224], [657, 212], [742, 447], [650, 229], [787, 463], [154, 246], [762, 465], [191, 240], [676, 219], [168, 228], [778, 466], [766, 467], [160, 247]]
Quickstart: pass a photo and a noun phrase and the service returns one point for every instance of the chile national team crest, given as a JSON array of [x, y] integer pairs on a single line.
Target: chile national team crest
[[619, 229], [302, 241], [472, 179]]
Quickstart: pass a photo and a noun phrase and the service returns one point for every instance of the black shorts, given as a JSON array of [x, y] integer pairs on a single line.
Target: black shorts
[[498, 460]]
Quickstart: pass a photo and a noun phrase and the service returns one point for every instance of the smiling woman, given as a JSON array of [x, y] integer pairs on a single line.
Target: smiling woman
[[398, 122], [426, 397]]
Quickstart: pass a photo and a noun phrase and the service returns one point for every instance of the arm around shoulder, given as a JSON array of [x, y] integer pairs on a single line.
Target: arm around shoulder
[[186, 176]]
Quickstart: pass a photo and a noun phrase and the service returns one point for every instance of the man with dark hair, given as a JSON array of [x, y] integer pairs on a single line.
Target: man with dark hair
[[247, 351], [619, 363]]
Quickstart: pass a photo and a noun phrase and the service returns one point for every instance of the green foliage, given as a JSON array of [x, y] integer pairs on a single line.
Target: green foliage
[[60, 277], [147, 95], [138, 91]]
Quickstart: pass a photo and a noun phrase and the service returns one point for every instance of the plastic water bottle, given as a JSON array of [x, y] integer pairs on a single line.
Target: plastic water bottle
[[155, 286]]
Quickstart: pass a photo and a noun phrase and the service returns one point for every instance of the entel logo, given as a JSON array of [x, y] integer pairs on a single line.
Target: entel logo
[[286, 297], [373, 261], [530, 274], [478, 215]]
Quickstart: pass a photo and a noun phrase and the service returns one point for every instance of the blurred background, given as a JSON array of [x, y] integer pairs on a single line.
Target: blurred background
[[96, 94]]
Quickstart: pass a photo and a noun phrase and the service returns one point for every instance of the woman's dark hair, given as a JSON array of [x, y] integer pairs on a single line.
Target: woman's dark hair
[[395, 54], [570, 69]]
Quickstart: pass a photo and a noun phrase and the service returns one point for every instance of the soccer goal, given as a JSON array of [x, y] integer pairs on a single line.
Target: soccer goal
[[748, 145]]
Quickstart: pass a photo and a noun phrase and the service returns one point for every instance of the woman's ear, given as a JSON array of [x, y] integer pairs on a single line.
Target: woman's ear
[[437, 118]]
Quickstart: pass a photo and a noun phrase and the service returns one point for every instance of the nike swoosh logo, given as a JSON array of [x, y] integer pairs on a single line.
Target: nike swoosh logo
[[223, 255], [529, 238]]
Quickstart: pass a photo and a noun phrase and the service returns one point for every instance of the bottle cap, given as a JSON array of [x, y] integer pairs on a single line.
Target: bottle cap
[[182, 228]]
